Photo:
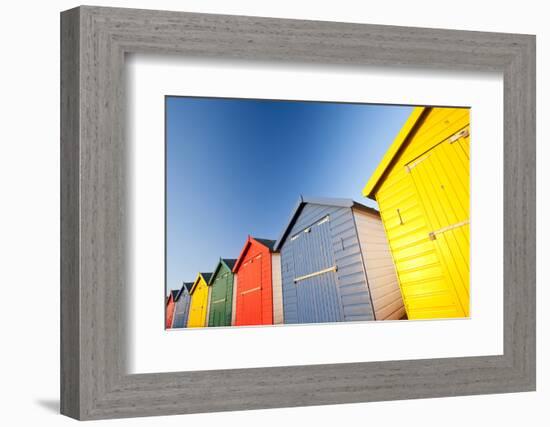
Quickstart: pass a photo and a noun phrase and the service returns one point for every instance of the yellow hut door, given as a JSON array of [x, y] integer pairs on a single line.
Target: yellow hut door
[[197, 311], [442, 179]]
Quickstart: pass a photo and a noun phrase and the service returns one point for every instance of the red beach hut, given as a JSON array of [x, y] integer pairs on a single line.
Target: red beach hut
[[170, 305], [258, 292]]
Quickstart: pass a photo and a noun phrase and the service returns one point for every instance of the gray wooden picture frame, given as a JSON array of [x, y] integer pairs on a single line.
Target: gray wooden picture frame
[[94, 41]]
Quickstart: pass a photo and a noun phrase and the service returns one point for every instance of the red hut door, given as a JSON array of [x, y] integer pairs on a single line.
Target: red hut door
[[251, 291]]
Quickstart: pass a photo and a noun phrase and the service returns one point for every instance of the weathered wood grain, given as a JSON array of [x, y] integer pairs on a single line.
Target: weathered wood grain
[[94, 383], [70, 220]]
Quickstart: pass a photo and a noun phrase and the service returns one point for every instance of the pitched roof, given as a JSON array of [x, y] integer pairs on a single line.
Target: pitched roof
[[395, 148], [302, 201], [228, 262], [185, 287], [270, 244], [172, 295], [205, 276]]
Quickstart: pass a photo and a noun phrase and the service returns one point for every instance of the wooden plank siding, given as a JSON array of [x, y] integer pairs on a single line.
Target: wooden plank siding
[[278, 314], [424, 203], [198, 309], [221, 295], [181, 310], [254, 295], [234, 301], [381, 274], [334, 296], [170, 305]]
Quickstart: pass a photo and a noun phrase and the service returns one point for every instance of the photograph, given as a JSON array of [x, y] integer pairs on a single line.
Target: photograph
[[281, 212]]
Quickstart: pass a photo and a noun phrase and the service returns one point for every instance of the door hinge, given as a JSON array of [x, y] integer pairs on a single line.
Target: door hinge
[[416, 162], [460, 134], [433, 234], [251, 290], [317, 273]]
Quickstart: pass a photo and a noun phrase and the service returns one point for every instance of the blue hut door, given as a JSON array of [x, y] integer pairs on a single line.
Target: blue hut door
[[180, 312], [315, 277]]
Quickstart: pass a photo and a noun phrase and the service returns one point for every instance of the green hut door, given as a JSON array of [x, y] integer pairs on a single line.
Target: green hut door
[[221, 300]]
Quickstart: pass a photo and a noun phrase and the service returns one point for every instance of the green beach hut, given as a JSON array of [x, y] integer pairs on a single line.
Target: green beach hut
[[221, 293]]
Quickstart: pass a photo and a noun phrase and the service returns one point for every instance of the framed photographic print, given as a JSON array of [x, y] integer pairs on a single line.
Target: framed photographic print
[[326, 212], [335, 259]]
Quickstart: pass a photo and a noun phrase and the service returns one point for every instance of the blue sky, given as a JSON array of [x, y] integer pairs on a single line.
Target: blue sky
[[237, 167]]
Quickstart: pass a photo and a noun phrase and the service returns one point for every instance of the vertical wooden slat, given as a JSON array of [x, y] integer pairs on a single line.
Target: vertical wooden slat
[[70, 214]]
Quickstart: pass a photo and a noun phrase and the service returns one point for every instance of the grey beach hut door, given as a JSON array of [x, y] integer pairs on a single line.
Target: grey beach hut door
[[181, 311], [311, 255]]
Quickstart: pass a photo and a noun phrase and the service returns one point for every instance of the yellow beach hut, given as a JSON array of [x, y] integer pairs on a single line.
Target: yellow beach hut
[[422, 187], [198, 309]]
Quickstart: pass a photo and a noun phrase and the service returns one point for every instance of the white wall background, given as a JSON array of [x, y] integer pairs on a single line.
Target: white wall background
[[29, 212]]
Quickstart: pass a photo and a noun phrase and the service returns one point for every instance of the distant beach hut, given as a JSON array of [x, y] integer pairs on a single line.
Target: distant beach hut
[[181, 310], [336, 264], [258, 294], [170, 305], [422, 186], [199, 301]]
